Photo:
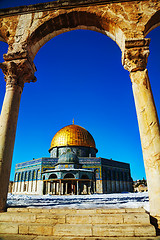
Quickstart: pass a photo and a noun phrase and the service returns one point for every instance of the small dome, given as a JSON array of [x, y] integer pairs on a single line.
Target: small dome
[[73, 135], [68, 157]]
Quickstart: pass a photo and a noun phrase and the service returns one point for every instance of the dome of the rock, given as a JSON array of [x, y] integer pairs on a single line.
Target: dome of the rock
[[73, 135]]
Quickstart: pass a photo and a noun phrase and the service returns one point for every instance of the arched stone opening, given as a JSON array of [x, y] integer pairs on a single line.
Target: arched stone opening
[[52, 176], [135, 61], [69, 175], [72, 21]]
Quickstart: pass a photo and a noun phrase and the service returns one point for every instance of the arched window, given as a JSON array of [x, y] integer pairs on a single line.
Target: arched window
[[52, 176], [69, 175]]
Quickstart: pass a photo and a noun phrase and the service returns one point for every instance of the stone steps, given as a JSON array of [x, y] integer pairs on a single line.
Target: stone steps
[[77, 224], [33, 237]]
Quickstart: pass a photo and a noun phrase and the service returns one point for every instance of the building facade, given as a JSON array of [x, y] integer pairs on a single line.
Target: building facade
[[72, 168]]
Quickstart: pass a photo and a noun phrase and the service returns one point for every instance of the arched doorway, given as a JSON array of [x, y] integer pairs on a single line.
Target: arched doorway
[[70, 184], [53, 184]]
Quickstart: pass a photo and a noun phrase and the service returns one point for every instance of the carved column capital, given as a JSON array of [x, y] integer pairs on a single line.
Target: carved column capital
[[18, 71], [135, 55]]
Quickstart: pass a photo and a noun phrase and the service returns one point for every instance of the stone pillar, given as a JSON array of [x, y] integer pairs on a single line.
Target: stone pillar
[[135, 60], [60, 185], [55, 188], [77, 188], [49, 187], [66, 188], [16, 72]]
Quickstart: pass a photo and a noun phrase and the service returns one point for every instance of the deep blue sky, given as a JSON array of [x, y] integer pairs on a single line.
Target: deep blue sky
[[80, 75]]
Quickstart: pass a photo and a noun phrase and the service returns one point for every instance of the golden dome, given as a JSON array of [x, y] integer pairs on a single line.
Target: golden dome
[[73, 135]]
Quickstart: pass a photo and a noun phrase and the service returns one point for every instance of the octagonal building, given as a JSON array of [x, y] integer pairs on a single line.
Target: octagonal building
[[72, 168]]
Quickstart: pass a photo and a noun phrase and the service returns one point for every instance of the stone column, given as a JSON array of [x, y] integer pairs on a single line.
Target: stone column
[[135, 60], [77, 188], [55, 190], [49, 187], [66, 188], [16, 72], [60, 185]]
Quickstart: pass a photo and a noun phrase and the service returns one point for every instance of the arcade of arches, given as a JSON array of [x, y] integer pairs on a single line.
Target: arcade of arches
[[27, 29]]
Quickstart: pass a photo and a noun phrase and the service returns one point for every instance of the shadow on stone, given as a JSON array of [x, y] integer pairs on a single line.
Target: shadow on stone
[[154, 222]]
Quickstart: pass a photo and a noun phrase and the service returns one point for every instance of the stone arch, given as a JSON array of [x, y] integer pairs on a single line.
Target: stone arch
[[52, 176], [153, 22], [69, 175], [72, 21], [2, 39]]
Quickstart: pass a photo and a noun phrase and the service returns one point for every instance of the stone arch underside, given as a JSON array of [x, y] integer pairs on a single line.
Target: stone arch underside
[[153, 22], [2, 39], [72, 21]]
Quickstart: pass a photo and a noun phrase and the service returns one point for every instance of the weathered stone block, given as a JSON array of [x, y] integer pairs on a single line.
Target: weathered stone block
[[35, 210], [72, 230], [85, 211], [145, 231], [134, 210], [62, 211], [107, 219], [17, 217], [45, 230], [23, 229], [8, 228], [16, 237], [110, 211], [78, 219], [17, 209], [113, 231], [46, 238], [135, 218], [50, 218]]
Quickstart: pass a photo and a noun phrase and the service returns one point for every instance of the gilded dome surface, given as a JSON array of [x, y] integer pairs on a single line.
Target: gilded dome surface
[[73, 135]]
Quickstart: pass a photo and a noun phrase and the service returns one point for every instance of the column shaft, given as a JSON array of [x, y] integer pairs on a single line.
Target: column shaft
[[8, 124], [150, 135]]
